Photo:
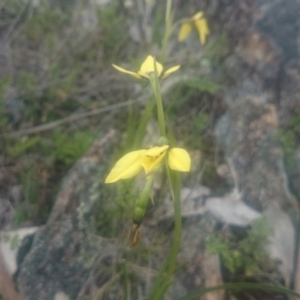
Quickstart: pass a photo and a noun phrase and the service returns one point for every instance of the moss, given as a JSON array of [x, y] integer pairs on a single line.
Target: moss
[[22, 146], [112, 24], [289, 138], [204, 85], [243, 257], [66, 148], [4, 86], [29, 208]]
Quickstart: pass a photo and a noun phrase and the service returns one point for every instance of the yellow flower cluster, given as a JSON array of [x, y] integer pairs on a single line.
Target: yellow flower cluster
[[147, 68], [198, 22], [150, 160]]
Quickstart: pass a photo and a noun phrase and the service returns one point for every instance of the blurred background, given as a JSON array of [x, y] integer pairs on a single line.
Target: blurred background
[[56, 63], [234, 105]]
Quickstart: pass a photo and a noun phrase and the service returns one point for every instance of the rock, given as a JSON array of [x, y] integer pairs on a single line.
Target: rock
[[192, 203], [7, 289], [64, 250], [15, 194], [230, 210], [282, 242], [61, 296], [10, 244], [6, 213], [263, 62], [248, 135]]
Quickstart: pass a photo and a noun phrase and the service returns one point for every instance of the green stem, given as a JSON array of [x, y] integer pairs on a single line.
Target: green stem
[[175, 186], [142, 202], [157, 93], [126, 281], [139, 132], [166, 272], [168, 30], [240, 286], [164, 278]]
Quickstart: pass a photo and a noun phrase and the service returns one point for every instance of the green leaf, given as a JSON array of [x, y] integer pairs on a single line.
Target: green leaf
[[204, 84], [239, 286], [22, 146]]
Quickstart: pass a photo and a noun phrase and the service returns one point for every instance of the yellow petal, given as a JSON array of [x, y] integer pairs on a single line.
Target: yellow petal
[[156, 151], [148, 67], [152, 158], [179, 160], [203, 30], [126, 167], [136, 75], [184, 31], [197, 16], [170, 71]]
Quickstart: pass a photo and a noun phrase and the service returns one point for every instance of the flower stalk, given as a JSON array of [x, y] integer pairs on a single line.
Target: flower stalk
[[157, 93], [139, 212], [164, 278], [163, 154], [141, 204], [168, 30]]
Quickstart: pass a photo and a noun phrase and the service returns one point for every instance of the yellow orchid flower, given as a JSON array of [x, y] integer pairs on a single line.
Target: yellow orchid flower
[[147, 67], [150, 160], [197, 21]]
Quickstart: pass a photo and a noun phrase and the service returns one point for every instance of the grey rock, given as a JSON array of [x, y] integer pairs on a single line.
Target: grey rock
[[285, 35], [64, 250], [282, 241], [247, 133], [261, 101], [6, 213], [10, 242], [231, 210]]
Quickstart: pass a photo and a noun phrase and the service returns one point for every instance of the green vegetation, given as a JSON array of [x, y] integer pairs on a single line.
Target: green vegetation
[[22, 146], [67, 148], [4, 86], [62, 55], [43, 156], [243, 257], [289, 138], [13, 240], [59, 61], [204, 85], [289, 135]]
